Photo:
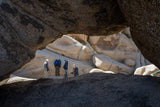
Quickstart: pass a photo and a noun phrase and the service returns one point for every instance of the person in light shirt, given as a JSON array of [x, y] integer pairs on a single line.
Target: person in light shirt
[[46, 68]]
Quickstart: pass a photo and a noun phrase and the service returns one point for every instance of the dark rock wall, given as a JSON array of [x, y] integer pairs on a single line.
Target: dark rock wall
[[143, 17], [89, 90]]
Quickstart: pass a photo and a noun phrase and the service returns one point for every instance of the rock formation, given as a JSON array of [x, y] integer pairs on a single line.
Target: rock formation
[[100, 53], [107, 64], [34, 69], [27, 25], [144, 21], [71, 48], [146, 70], [95, 70], [91, 90]]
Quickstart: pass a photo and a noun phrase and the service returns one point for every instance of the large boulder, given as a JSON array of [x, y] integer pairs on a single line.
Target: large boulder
[[107, 64], [120, 48], [34, 69], [146, 70], [66, 46], [71, 48], [144, 21], [116, 46]]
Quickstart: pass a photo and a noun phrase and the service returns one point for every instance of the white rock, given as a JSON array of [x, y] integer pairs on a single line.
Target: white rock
[[14, 78], [94, 70], [146, 70]]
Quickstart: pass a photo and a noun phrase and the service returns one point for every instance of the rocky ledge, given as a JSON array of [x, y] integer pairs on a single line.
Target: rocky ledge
[[97, 89]]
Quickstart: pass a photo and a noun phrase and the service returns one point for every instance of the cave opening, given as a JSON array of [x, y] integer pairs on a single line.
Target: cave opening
[[113, 54]]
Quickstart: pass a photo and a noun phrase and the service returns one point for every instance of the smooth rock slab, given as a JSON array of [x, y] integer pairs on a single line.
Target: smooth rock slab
[[107, 64]]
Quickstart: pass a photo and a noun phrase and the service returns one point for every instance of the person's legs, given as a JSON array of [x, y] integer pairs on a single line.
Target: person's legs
[[65, 73], [58, 69], [45, 73], [56, 72], [74, 74]]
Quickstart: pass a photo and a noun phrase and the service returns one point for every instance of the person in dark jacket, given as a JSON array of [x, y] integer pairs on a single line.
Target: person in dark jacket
[[57, 64], [65, 67], [75, 70], [46, 68]]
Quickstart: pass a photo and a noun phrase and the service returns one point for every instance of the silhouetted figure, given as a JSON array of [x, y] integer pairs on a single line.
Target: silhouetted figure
[[57, 64], [75, 70], [65, 67]]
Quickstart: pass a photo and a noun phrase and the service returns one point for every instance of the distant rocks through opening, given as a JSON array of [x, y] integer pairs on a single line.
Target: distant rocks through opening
[[113, 54]]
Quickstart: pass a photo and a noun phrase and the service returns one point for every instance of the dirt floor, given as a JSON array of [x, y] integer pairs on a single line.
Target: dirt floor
[[89, 90]]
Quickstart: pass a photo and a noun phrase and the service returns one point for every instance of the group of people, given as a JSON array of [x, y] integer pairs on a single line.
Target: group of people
[[57, 65]]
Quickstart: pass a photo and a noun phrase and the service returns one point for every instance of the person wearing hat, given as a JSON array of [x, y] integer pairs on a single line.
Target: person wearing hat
[[75, 70], [65, 67], [46, 68], [57, 64]]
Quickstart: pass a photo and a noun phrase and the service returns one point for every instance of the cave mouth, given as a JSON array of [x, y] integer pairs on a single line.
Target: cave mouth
[[112, 54]]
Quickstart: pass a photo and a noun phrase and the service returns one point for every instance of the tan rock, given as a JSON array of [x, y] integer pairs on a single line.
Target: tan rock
[[94, 39], [82, 38], [107, 64], [130, 62], [34, 69], [116, 46], [71, 48], [146, 70], [66, 46], [86, 53]]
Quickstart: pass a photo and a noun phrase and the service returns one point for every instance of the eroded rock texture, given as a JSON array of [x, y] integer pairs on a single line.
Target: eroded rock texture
[[26, 25], [143, 17], [90, 90]]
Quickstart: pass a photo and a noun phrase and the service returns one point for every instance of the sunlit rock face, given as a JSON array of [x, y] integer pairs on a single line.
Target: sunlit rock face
[[26, 25], [109, 54], [146, 70]]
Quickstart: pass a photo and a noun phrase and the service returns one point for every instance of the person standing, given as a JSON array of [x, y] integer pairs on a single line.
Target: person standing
[[75, 70], [65, 67], [57, 64], [46, 68]]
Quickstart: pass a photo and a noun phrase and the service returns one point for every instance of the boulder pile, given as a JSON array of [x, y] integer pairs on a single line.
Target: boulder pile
[[109, 54]]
